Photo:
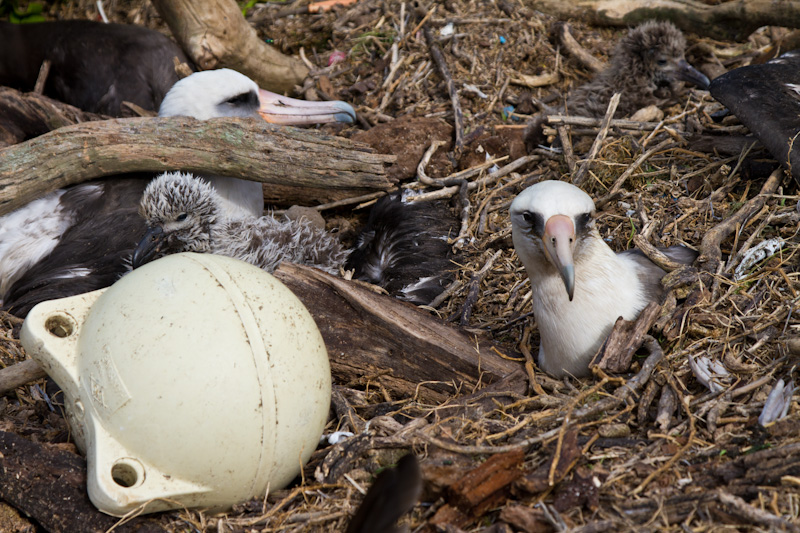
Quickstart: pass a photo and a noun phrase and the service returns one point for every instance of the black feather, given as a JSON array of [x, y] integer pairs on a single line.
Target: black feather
[[403, 243], [765, 98], [651, 273], [393, 494]]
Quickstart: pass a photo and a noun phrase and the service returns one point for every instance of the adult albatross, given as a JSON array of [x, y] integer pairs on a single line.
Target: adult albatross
[[80, 238], [96, 67], [579, 285], [403, 247]]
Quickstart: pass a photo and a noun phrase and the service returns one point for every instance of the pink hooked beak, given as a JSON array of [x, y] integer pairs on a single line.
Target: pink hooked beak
[[559, 244], [278, 109]]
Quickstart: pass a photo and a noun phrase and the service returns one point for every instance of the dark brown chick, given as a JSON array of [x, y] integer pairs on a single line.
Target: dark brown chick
[[647, 66]]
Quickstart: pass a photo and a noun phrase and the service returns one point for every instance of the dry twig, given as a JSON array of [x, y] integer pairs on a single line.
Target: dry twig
[[441, 65], [580, 175]]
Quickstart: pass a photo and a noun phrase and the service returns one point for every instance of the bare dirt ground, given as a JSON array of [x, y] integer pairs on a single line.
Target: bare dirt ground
[[651, 449]]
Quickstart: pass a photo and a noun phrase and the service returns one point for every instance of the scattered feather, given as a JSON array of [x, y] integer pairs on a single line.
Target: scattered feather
[[756, 254], [709, 372], [778, 403]]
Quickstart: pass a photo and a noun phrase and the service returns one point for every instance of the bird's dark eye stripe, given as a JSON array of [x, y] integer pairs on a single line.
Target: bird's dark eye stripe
[[181, 217], [536, 220], [243, 99], [582, 222]]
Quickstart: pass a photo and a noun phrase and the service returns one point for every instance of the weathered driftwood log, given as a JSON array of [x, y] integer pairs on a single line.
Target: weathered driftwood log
[[215, 34], [728, 20], [49, 485], [320, 168], [27, 115], [410, 353]]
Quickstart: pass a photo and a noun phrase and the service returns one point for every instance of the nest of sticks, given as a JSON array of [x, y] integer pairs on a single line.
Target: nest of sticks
[[647, 443]]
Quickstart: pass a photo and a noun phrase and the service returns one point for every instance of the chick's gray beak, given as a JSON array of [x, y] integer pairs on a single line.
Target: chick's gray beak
[[559, 244], [689, 74], [278, 109], [148, 247]]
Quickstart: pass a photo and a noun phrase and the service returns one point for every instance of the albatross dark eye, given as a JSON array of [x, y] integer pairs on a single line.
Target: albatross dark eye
[[535, 220], [182, 217], [239, 99], [661, 62], [582, 222], [243, 99]]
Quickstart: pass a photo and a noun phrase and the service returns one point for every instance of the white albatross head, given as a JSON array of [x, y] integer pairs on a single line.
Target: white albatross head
[[556, 238], [550, 221], [227, 93]]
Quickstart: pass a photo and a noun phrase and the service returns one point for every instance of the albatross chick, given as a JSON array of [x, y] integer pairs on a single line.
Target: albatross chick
[[401, 249], [579, 285], [647, 66], [184, 214]]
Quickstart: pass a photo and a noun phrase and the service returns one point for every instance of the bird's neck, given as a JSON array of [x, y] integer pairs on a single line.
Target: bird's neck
[[237, 197]]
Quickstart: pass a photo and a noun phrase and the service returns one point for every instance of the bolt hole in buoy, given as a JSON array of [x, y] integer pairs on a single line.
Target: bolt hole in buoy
[[126, 474], [60, 326]]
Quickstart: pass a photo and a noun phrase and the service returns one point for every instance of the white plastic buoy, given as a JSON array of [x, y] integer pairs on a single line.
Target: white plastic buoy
[[195, 381]]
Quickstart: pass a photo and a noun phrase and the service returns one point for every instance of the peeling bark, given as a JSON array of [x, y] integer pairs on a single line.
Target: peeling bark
[[246, 148]]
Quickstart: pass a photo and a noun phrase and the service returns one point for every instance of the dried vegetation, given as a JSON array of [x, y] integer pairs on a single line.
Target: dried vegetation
[[652, 448]]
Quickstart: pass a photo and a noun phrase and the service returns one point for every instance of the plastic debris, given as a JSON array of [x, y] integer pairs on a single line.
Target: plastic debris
[[337, 56], [335, 438], [756, 254], [502, 40], [710, 373], [508, 112], [38, 393], [448, 30], [629, 210], [778, 403], [327, 5], [553, 149], [493, 168], [473, 89]]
